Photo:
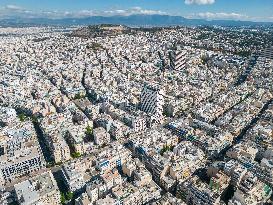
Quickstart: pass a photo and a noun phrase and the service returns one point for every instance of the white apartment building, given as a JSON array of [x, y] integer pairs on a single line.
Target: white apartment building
[[41, 189], [20, 152], [73, 173], [152, 101], [177, 59], [101, 136]]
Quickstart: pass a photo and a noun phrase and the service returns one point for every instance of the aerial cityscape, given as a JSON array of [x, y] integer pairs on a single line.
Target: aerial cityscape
[[136, 105]]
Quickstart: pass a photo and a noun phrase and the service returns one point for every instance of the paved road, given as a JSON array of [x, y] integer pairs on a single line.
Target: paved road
[[244, 75]]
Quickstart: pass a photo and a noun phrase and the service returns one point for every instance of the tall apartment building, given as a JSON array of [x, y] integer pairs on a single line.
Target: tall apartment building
[[41, 189], [267, 53], [7, 116], [54, 128], [20, 152], [57, 145], [177, 59], [73, 174], [152, 101], [195, 191], [139, 123]]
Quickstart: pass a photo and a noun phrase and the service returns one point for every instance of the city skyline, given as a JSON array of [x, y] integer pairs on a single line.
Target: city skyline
[[196, 9], [122, 103]]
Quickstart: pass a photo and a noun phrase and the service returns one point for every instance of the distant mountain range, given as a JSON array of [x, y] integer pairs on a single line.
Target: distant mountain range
[[133, 20]]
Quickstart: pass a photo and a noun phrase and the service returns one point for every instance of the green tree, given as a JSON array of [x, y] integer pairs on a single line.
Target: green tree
[[58, 163], [166, 148], [34, 119], [69, 196], [63, 198], [50, 164], [89, 130], [22, 117], [75, 155], [204, 59], [78, 96]]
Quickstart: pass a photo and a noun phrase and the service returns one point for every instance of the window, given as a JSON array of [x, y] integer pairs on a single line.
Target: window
[[2, 151]]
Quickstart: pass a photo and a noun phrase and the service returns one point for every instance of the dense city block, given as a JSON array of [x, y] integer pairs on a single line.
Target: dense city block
[[113, 115]]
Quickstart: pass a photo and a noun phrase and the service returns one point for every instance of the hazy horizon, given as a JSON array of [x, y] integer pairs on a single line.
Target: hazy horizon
[[243, 10]]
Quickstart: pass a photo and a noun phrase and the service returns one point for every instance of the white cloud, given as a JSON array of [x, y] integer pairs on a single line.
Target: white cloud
[[13, 7], [131, 11], [229, 16], [16, 11], [220, 15], [114, 12], [200, 2]]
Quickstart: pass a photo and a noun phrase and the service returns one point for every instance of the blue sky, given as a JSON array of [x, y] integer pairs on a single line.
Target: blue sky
[[254, 10]]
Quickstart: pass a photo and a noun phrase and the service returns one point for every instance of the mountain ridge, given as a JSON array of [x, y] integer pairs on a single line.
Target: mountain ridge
[[132, 20]]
